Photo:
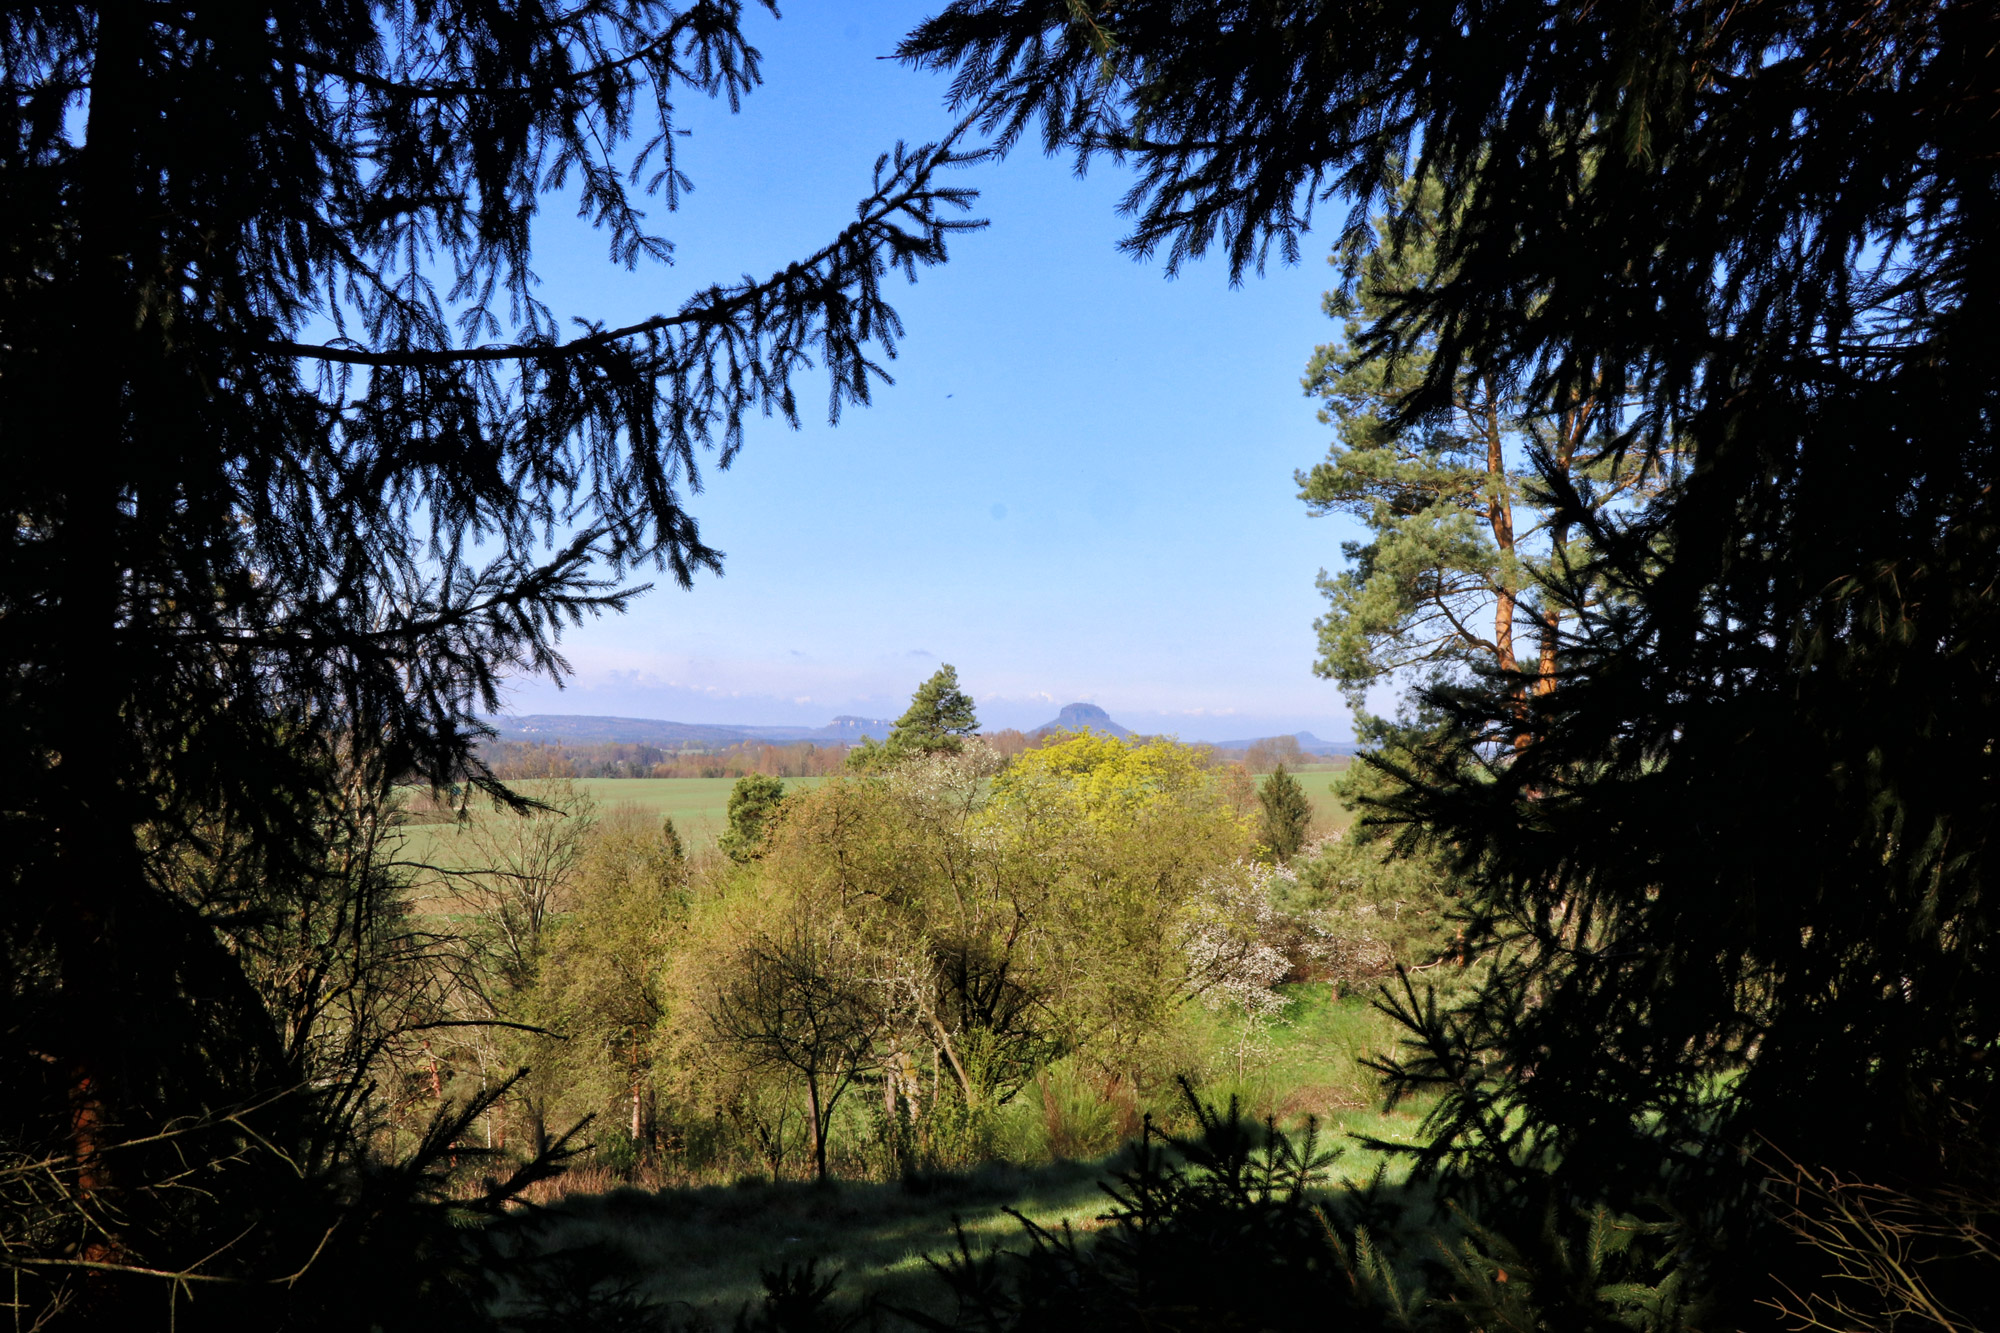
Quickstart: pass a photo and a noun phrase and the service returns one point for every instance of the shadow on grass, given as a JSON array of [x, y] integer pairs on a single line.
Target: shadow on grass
[[701, 1250]]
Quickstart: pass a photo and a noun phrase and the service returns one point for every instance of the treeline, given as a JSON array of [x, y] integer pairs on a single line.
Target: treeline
[[515, 761]]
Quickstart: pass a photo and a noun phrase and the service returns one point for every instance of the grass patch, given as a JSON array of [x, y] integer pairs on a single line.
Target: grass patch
[[1308, 1064]]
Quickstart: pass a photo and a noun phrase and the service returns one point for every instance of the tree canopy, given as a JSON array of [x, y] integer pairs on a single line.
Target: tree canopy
[[1466, 557], [939, 720]]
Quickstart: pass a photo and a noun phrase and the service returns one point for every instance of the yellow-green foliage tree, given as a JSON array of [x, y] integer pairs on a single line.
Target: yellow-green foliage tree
[[1141, 859], [517, 879], [892, 865], [912, 858], [993, 916]]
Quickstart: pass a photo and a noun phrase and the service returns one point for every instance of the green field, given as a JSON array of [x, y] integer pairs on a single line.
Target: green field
[[699, 807], [1328, 813]]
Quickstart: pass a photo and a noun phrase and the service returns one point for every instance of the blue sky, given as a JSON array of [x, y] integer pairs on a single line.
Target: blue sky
[[1079, 487]]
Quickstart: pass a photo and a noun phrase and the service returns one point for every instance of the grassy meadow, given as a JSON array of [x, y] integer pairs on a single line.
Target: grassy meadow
[[699, 808], [1329, 814]]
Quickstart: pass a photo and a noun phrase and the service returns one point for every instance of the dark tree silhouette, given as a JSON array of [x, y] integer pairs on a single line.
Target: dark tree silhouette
[[801, 1005], [1736, 866], [298, 464]]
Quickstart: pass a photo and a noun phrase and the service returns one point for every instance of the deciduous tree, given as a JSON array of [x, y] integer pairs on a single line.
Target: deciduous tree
[[601, 991], [799, 1002]]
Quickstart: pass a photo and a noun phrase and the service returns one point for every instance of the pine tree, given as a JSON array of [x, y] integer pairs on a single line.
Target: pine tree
[[1465, 542], [938, 720]]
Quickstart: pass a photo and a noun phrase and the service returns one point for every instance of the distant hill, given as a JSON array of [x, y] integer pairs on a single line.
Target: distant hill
[[577, 729], [1075, 717], [1308, 742], [550, 728]]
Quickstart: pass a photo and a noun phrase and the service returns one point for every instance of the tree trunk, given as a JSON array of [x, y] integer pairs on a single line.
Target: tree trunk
[[951, 1057], [818, 1130], [1500, 517], [1575, 421], [635, 1071], [1551, 617], [96, 867]]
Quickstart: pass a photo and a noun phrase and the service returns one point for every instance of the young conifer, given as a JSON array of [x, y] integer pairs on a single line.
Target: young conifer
[[1287, 814], [753, 804]]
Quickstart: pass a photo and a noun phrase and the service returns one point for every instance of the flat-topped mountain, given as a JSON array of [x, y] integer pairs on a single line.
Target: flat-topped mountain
[[847, 727], [1075, 717]]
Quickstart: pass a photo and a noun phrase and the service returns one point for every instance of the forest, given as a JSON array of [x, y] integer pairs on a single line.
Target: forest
[[1637, 977]]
